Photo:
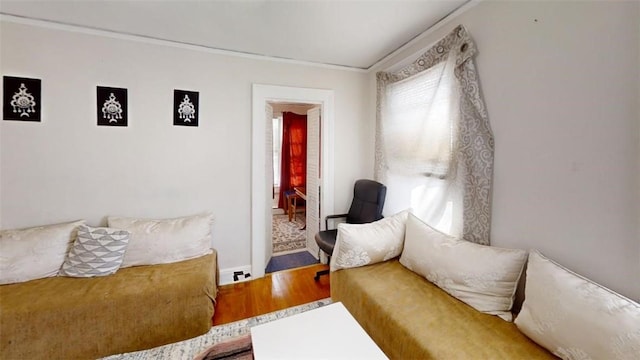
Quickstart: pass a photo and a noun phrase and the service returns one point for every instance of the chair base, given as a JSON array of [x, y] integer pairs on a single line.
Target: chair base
[[320, 273]]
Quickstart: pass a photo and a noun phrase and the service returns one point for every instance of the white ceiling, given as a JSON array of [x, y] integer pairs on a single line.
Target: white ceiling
[[354, 34]]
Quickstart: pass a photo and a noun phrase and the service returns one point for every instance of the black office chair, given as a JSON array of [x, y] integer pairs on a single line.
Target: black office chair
[[368, 201]]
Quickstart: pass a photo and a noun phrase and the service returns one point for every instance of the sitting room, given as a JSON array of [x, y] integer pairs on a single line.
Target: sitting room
[[471, 180]]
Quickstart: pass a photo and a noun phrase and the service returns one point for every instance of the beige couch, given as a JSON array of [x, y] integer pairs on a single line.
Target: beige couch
[[80, 318], [422, 294]]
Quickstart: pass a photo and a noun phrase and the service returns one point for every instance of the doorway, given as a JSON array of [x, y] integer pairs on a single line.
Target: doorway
[[261, 194], [295, 156], [289, 162]]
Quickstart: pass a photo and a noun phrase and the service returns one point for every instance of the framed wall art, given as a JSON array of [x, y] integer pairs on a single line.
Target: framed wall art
[[185, 108], [21, 99], [112, 106]]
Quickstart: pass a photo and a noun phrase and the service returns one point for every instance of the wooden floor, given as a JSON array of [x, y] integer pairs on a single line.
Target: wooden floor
[[275, 291]]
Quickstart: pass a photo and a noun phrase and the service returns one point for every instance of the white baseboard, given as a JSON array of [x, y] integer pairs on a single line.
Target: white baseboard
[[226, 275], [289, 252]]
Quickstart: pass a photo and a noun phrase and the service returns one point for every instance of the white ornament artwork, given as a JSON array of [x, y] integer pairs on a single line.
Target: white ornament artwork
[[111, 106], [186, 109], [21, 99], [23, 102], [112, 110]]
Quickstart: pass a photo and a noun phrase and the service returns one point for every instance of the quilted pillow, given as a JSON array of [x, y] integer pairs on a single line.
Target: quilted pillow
[[484, 277], [575, 318], [165, 241], [364, 244], [34, 253], [96, 252]]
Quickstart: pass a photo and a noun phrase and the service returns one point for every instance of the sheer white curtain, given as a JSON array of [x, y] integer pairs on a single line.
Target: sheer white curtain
[[434, 146]]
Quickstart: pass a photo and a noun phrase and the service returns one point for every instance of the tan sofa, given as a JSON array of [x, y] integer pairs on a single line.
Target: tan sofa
[[80, 318], [411, 318]]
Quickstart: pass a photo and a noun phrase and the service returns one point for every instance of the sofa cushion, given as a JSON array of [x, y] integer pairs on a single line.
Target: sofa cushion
[[87, 318], [95, 252], [576, 318], [34, 253], [362, 244], [165, 241], [484, 277], [408, 317]]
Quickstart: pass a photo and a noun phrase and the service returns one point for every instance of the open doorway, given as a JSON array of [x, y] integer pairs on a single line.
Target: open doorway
[[295, 156], [261, 191]]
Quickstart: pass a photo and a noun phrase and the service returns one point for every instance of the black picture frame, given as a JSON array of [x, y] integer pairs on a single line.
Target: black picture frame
[[21, 99], [185, 107], [112, 106]]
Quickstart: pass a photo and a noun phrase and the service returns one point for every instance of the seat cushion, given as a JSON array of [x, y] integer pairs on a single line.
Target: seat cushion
[[425, 322], [85, 318], [327, 240]]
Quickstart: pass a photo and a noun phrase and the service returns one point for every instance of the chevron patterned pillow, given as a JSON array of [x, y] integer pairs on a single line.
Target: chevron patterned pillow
[[96, 252]]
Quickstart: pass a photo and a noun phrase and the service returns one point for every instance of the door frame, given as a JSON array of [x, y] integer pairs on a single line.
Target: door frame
[[260, 206]]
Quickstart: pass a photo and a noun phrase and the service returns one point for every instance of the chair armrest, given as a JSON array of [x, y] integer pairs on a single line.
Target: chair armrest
[[326, 219]]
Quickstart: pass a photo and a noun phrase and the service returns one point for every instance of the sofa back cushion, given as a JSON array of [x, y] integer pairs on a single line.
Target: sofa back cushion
[[163, 241], [365, 244], [34, 253], [95, 252], [484, 277], [574, 317]]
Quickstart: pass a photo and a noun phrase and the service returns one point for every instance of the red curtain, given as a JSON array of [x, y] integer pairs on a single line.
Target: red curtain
[[293, 169]]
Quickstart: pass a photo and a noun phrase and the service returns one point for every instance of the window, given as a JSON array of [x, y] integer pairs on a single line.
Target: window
[[419, 135], [420, 123], [434, 146]]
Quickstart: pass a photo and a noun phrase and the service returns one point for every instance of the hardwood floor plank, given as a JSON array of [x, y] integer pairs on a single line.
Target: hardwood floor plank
[[275, 291]]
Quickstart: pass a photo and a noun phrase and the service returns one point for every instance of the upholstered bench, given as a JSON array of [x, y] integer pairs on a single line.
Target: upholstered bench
[[421, 294], [71, 291]]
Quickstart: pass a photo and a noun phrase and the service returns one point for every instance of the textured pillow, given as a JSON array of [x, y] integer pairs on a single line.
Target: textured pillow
[[96, 252], [364, 244], [165, 241], [484, 277], [575, 318], [34, 253]]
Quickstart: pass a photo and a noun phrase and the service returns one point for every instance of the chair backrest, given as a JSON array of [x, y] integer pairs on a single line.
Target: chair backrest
[[368, 202]]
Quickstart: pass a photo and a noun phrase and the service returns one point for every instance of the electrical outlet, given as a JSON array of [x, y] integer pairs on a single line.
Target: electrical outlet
[[237, 274]]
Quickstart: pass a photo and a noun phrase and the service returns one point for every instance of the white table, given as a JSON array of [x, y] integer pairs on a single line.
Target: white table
[[329, 332]]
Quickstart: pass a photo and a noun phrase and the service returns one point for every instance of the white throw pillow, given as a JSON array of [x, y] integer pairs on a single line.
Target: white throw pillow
[[165, 241], [95, 252], [575, 318], [364, 244], [484, 277], [34, 253]]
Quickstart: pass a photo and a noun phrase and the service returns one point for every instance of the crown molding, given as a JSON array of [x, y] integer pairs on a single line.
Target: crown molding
[[177, 44], [378, 66]]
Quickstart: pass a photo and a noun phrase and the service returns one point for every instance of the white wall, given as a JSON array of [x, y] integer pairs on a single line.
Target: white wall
[[561, 84], [67, 168]]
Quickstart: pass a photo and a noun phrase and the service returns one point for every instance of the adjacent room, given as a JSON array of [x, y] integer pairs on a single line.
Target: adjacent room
[[329, 179], [288, 179]]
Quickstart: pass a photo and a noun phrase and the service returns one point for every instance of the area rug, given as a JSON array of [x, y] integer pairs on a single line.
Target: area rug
[[290, 261], [188, 349], [287, 235]]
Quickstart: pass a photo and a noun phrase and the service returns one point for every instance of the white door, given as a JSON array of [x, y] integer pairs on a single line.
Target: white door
[[268, 236], [313, 178]]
